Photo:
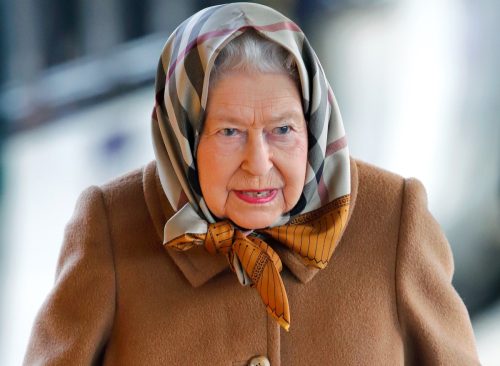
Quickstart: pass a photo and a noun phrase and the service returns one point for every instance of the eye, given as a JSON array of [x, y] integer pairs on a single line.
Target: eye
[[228, 132], [282, 130]]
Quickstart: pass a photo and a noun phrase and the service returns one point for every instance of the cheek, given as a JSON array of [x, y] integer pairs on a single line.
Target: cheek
[[214, 174], [293, 169], [297, 158], [214, 166]]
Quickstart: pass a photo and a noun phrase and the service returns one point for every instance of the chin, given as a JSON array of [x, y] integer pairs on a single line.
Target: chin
[[253, 224]]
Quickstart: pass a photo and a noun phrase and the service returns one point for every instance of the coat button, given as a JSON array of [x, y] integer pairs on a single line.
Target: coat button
[[259, 361]]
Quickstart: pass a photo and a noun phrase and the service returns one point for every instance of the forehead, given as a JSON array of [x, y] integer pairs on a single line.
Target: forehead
[[240, 93]]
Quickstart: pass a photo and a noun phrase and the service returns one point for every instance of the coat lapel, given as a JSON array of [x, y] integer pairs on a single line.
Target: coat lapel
[[197, 265]]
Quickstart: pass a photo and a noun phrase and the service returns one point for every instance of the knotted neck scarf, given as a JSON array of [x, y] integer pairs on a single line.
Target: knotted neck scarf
[[313, 228]]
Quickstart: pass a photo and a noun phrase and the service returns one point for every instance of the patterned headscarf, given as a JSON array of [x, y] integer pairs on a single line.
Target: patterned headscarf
[[182, 85], [181, 99]]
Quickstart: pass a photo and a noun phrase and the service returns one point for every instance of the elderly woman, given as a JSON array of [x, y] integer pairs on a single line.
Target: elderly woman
[[341, 262]]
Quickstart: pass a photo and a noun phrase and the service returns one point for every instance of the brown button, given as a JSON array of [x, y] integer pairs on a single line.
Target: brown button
[[259, 361]]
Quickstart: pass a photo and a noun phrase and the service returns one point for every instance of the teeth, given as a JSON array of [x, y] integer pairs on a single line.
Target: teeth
[[257, 194]]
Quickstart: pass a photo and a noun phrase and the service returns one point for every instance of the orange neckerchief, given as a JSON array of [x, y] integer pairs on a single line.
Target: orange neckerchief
[[313, 235]]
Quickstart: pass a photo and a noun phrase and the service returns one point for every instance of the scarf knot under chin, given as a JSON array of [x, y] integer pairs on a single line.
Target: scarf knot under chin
[[313, 236]]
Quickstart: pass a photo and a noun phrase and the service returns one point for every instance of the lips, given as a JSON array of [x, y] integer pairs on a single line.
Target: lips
[[257, 196]]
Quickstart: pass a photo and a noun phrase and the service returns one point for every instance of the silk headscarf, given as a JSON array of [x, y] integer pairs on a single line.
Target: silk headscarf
[[182, 83]]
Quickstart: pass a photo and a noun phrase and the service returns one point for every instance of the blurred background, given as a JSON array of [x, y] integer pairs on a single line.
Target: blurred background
[[417, 83]]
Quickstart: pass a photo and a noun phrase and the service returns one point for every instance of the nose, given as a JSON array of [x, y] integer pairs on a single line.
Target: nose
[[257, 156]]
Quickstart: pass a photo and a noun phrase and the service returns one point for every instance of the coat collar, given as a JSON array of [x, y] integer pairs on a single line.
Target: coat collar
[[197, 265]]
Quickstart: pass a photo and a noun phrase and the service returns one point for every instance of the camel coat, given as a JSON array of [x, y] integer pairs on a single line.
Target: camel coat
[[121, 299]]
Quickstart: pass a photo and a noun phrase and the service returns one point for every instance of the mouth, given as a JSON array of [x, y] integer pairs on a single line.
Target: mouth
[[257, 196]]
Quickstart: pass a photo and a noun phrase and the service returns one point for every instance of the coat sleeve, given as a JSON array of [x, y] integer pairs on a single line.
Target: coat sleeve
[[74, 322], [434, 320]]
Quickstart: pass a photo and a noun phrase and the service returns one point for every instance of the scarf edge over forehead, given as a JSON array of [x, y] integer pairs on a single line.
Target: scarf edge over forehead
[[181, 96]]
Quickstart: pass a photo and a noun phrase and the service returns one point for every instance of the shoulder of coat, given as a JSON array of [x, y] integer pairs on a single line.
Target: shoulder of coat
[[128, 187], [377, 183], [374, 172]]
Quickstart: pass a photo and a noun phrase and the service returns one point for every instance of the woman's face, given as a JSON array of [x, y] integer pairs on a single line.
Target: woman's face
[[252, 155]]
